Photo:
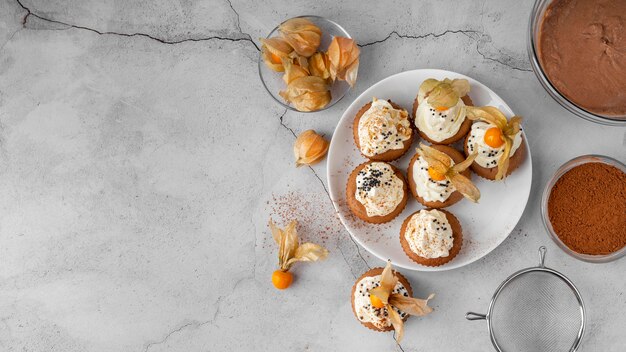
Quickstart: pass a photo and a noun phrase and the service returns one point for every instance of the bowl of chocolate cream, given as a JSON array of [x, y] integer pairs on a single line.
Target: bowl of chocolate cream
[[577, 49]]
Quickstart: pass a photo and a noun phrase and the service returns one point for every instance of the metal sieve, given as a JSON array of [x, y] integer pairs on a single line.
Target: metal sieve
[[535, 309]]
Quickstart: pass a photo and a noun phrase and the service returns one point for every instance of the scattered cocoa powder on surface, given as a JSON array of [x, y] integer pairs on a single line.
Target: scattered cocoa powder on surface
[[317, 221], [587, 208]]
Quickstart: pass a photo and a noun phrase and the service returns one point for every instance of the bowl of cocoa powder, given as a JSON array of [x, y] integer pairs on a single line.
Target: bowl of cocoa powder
[[584, 208]]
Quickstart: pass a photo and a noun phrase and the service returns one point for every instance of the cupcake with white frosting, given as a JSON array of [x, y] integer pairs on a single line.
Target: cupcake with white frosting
[[368, 314], [382, 300], [439, 110], [382, 130], [431, 188], [439, 176], [431, 237], [376, 192], [498, 142]]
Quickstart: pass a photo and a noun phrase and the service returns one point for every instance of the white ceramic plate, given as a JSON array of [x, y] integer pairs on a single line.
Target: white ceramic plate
[[485, 225]]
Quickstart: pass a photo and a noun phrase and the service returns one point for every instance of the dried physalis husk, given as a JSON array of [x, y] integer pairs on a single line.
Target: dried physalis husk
[[509, 129], [303, 36], [388, 282], [309, 148], [290, 250], [319, 65], [300, 60], [413, 306], [444, 94], [441, 164], [489, 114], [292, 71], [409, 305], [343, 55], [309, 93], [426, 87], [274, 50]]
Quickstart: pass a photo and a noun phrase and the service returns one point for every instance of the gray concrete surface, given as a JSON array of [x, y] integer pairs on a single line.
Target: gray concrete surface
[[140, 160]]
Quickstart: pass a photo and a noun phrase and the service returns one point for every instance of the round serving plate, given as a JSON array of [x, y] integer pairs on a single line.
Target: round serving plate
[[485, 225]]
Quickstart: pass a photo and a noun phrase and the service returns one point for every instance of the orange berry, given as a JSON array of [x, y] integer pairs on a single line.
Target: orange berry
[[376, 302], [441, 108], [281, 279], [275, 58], [493, 137], [436, 176]]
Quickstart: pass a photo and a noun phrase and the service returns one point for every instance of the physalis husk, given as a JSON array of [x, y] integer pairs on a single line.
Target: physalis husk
[[509, 129], [308, 93], [309, 148], [343, 55], [303, 36], [440, 166], [384, 294], [274, 50], [293, 71], [444, 94], [319, 65], [291, 251]]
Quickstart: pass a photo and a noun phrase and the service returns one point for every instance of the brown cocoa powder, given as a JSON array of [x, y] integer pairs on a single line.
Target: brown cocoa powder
[[587, 208]]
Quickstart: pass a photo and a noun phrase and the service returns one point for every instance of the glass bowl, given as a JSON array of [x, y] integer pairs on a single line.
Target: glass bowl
[[536, 20], [273, 81], [584, 159]]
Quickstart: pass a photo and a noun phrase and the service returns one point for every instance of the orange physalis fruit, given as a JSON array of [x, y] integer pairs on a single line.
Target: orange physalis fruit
[[376, 302], [282, 279], [441, 108], [273, 51], [436, 176], [440, 167], [493, 137], [383, 296], [290, 251], [275, 58]]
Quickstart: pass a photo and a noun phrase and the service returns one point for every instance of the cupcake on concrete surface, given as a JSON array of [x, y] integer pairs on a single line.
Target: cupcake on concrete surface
[[498, 142], [376, 192], [382, 300], [431, 237], [382, 130], [439, 176], [439, 110]]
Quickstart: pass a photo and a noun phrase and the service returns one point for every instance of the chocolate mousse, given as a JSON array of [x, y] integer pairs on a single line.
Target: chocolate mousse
[[582, 50]]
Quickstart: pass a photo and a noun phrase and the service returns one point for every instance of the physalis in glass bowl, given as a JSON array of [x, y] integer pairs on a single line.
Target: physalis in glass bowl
[[308, 72]]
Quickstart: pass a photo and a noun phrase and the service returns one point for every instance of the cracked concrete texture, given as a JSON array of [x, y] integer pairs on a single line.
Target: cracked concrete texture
[[138, 178]]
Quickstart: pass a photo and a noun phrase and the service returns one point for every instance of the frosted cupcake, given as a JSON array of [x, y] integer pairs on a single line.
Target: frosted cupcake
[[376, 192], [439, 110], [498, 143], [382, 300], [382, 130], [431, 237], [439, 176], [369, 315]]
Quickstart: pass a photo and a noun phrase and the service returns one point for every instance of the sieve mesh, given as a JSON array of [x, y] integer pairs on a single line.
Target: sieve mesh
[[536, 311]]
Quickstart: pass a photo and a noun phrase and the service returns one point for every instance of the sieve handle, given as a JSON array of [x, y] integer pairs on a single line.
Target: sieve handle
[[475, 316], [542, 256]]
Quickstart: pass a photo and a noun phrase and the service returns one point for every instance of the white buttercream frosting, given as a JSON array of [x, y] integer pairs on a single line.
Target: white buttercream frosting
[[367, 313], [427, 188], [429, 234], [439, 125], [382, 128], [488, 156], [379, 189]]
